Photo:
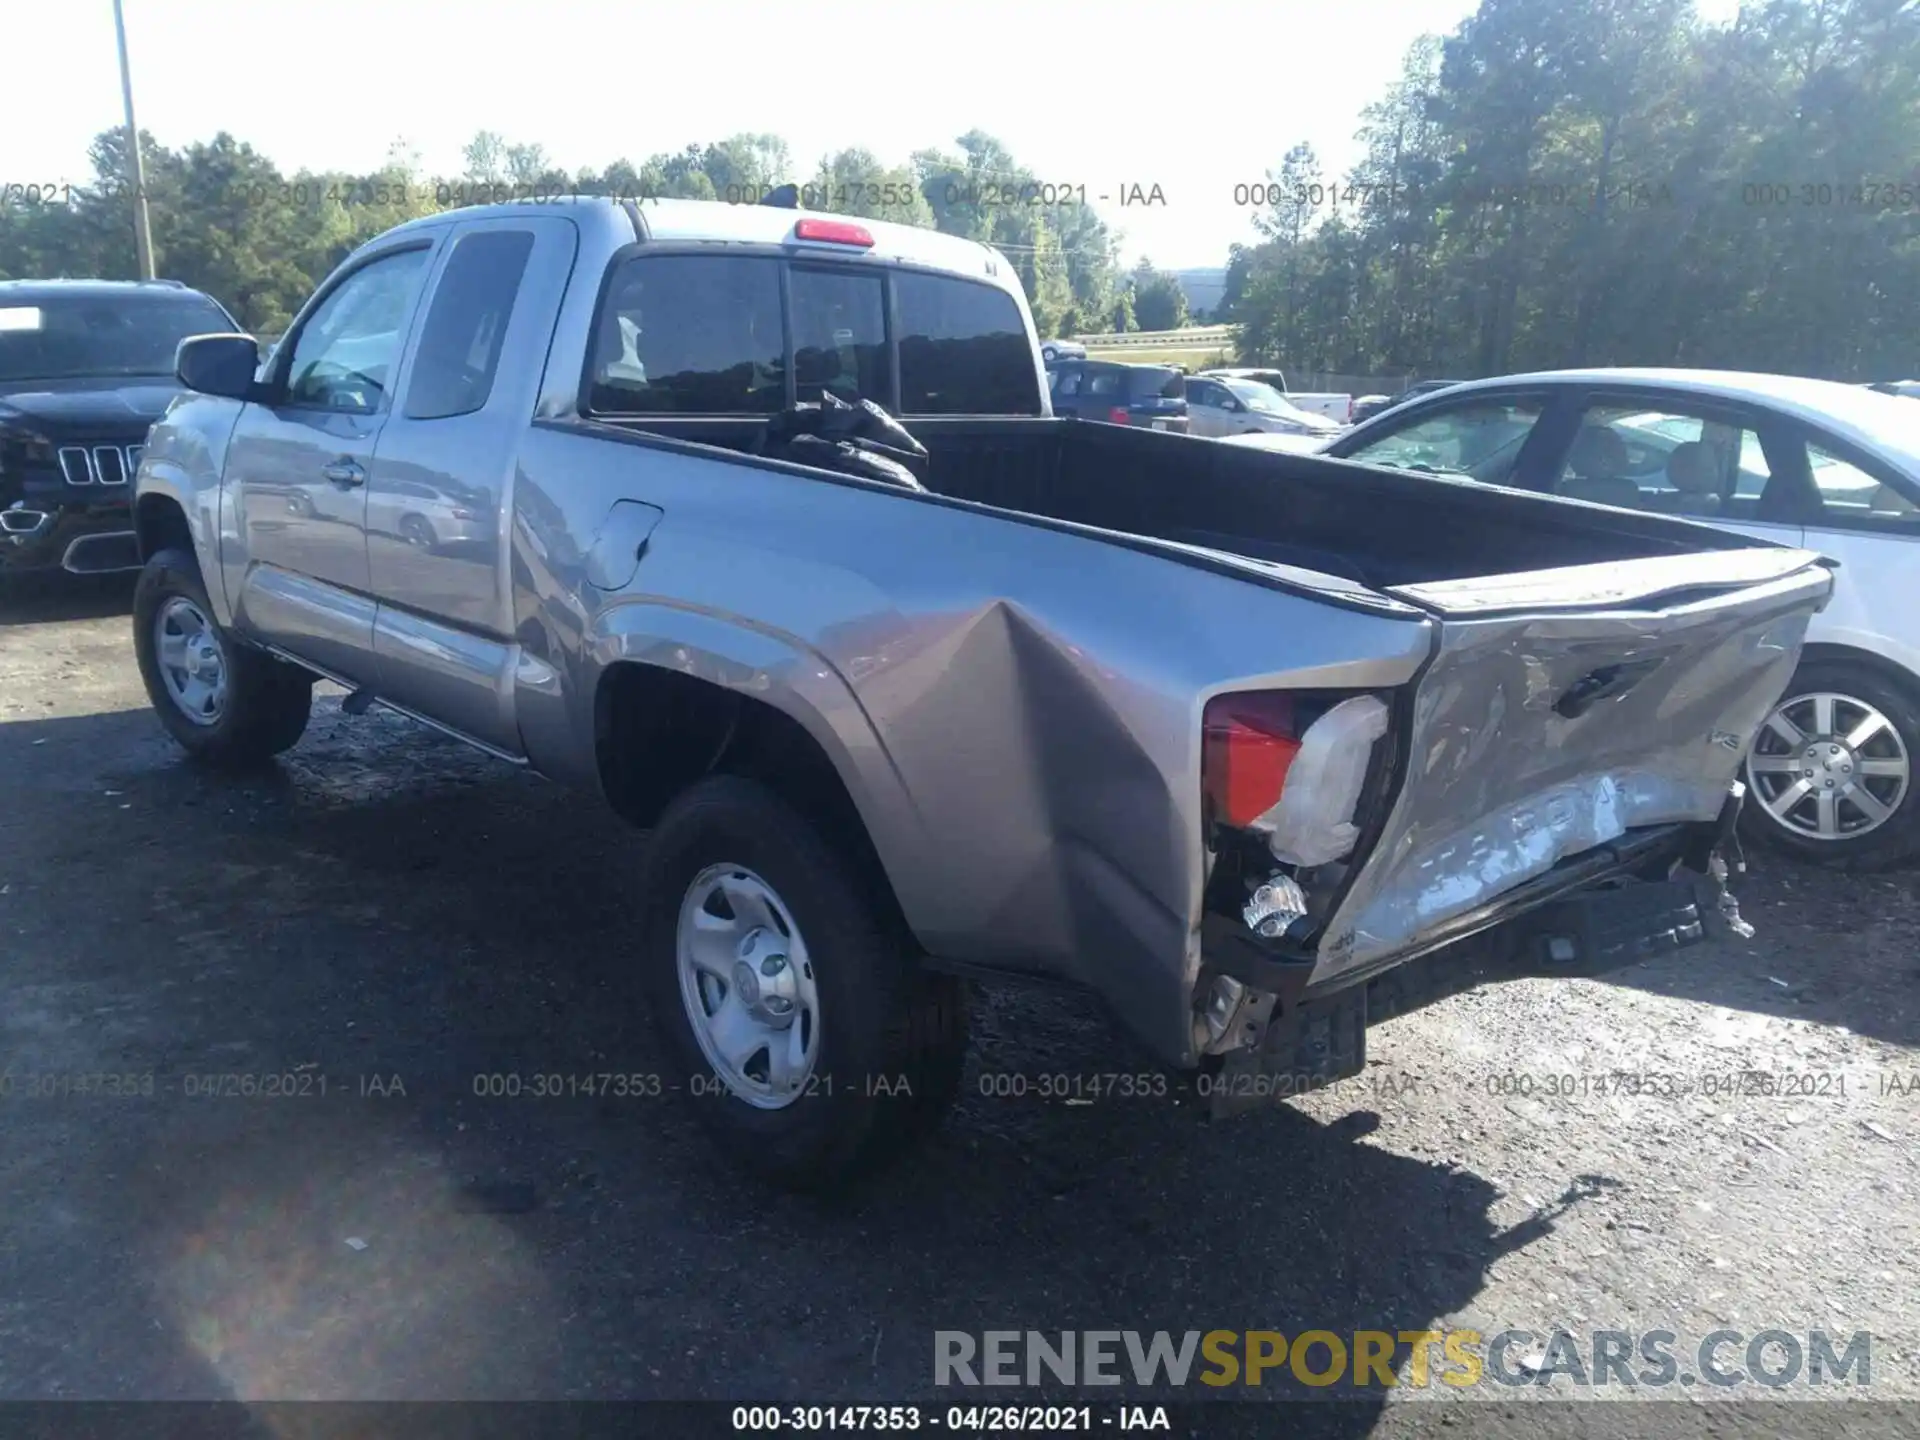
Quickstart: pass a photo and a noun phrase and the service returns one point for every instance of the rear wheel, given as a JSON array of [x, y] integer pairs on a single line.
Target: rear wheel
[[793, 1010], [222, 701], [1830, 777]]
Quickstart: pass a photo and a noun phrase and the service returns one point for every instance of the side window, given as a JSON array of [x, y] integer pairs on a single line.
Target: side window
[[690, 335], [1068, 382], [1104, 382], [1204, 392], [344, 355], [963, 349], [1666, 461], [1479, 439], [839, 335], [460, 342], [1849, 495]]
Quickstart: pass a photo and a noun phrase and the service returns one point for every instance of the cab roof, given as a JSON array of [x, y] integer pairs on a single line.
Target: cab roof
[[661, 221]]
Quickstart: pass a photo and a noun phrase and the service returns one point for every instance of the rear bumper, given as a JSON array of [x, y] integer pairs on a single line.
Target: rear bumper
[[1648, 893], [81, 538]]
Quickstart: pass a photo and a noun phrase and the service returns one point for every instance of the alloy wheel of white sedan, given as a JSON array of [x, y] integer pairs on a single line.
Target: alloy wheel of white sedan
[[1829, 767]]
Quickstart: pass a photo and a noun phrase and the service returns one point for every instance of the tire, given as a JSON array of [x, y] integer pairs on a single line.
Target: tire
[[417, 531], [266, 702], [1776, 764], [890, 1038]]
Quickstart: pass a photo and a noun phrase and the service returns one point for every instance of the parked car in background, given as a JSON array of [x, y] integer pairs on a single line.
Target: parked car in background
[[1218, 406], [1153, 397], [86, 367], [1336, 407], [1368, 406], [1833, 467], [1053, 350]]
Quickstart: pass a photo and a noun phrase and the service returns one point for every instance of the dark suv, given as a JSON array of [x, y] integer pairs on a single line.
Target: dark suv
[[1153, 397], [86, 367]]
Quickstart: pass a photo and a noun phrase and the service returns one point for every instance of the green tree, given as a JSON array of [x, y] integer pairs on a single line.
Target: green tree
[[1158, 301]]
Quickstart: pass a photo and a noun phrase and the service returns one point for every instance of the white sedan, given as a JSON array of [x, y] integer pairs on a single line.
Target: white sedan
[[1224, 406], [1813, 463]]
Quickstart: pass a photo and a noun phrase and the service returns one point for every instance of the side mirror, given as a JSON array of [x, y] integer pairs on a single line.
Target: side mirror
[[218, 365], [1235, 406]]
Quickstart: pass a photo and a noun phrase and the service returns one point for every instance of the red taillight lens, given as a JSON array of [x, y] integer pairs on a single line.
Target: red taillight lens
[[1248, 743], [836, 232], [1117, 415]]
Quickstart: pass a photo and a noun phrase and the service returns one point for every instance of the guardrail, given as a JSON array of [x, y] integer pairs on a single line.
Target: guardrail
[[1194, 336]]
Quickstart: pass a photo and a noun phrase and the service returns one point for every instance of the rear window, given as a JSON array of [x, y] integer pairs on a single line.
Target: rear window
[[693, 335], [839, 335], [963, 349], [703, 335], [1159, 384]]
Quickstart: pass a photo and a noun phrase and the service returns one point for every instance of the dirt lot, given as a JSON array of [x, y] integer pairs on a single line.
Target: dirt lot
[[396, 916]]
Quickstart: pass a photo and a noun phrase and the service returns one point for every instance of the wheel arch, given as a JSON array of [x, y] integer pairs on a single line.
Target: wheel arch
[[165, 516], [1889, 670], [658, 730]]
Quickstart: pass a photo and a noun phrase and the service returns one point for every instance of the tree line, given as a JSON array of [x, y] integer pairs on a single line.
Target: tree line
[[1612, 183], [227, 221]]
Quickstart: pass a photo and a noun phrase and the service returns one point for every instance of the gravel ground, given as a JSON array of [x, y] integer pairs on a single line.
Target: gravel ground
[[397, 915]]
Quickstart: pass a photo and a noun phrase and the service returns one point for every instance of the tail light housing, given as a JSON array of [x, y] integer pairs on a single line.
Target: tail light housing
[[1118, 415], [1297, 785]]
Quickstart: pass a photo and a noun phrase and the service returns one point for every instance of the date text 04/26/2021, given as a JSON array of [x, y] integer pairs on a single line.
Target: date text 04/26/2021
[[954, 1420]]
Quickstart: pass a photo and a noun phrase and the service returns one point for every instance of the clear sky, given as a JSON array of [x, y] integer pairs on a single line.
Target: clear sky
[[1192, 98]]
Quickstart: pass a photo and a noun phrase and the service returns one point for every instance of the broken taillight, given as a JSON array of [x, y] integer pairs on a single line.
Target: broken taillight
[[1297, 785], [1249, 745]]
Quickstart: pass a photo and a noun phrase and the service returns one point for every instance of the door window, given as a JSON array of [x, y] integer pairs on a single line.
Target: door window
[[1667, 461], [344, 354], [1850, 498], [1479, 439]]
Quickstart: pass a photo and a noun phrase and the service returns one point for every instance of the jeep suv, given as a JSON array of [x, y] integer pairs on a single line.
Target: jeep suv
[[86, 367]]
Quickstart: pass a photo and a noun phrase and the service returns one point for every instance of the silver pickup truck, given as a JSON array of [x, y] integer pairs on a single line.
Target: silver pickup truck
[[1215, 736]]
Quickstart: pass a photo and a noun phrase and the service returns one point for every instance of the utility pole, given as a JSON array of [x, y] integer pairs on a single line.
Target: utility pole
[[142, 236]]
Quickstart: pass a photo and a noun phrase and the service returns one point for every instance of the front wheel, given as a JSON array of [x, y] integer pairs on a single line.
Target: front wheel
[[222, 701], [1830, 777], [793, 1011]]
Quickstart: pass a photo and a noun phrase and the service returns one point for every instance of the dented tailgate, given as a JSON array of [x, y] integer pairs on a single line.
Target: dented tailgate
[[1561, 709]]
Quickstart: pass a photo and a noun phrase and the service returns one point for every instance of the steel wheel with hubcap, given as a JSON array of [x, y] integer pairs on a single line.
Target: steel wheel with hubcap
[[747, 984], [192, 660], [1830, 775], [222, 700], [796, 1017]]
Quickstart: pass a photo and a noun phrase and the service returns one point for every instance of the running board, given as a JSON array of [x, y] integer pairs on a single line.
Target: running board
[[360, 700]]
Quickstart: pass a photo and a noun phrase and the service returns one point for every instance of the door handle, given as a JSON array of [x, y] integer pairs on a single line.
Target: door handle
[[345, 473]]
